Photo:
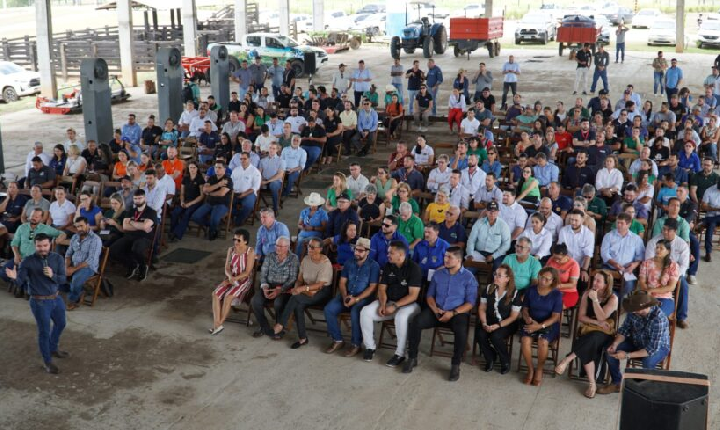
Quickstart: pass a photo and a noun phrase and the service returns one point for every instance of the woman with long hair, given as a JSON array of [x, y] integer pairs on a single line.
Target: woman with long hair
[[540, 237], [456, 109], [338, 187], [462, 84], [659, 276], [191, 198], [423, 153], [344, 243], [393, 113], [385, 184], [87, 208], [57, 162], [529, 187], [112, 220]]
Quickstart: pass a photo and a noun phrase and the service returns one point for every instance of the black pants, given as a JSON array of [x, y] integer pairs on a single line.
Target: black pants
[[347, 139], [427, 319], [358, 97], [258, 306], [493, 344], [297, 305], [590, 346], [508, 86], [130, 251]]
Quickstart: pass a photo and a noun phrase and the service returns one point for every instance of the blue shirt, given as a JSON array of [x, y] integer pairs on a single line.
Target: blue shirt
[[266, 237], [562, 204], [623, 250], [453, 291], [454, 234], [87, 250], [379, 246], [415, 179], [672, 76], [360, 277], [494, 168], [367, 121], [430, 257], [681, 175], [345, 250], [434, 77], [510, 77], [276, 74], [690, 164], [337, 218], [245, 77], [493, 239], [293, 158], [649, 332], [320, 216], [132, 132], [31, 273], [546, 174], [462, 164]]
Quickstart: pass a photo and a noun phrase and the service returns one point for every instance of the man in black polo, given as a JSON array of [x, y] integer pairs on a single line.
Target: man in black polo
[[415, 77], [578, 174], [583, 59], [423, 107], [138, 226], [40, 175]]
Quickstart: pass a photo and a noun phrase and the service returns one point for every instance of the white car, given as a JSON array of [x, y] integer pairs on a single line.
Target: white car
[[645, 18], [473, 10], [347, 22], [662, 32], [709, 34], [271, 18], [304, 22], [371, 24], [16, 82], [333, 16]]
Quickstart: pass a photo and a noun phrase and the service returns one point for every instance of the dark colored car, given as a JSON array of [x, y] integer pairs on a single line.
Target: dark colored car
[[623, 14]]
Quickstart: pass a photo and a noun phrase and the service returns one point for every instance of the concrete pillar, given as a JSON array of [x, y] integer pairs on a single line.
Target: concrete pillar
[[680, 26], [284, 9], [48, 84], [318, 15], [189, 22], [489, 8], [127, 50], [240, 20]]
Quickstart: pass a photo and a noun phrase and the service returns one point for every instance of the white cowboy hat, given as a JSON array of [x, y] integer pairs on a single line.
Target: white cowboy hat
[[390, 88], [314, 199]]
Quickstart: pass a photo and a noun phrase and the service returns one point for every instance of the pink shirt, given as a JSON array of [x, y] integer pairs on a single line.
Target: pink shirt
[[655, 279]]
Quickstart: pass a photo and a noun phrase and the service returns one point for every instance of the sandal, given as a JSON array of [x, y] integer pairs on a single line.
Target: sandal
[[591, 390], [528, 378], [560, 368], [537, 380], [217, 330]]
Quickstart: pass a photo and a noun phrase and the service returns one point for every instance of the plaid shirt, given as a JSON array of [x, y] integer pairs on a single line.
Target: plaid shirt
[[275, 273], [650, 333]]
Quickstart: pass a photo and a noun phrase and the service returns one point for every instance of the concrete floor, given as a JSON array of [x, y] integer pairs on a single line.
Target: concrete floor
[[144, 360]]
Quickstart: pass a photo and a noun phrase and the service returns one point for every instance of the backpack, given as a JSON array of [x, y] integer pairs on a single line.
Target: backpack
[[187, 94]]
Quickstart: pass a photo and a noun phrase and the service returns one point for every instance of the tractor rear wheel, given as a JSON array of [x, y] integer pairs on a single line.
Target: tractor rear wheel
[[428, 47], [441, 41]]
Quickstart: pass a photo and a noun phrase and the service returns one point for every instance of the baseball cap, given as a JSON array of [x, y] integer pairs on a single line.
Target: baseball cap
[[344, 196], [493, 206], [603, 91], [363, 243]]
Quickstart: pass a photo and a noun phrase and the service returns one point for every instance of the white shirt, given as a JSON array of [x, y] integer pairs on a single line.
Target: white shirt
[[679, 252], [168, 183], [712, 198], [197, 125], [357, 186], [155, 198], [79, 143], [647, 192], [233, 129], [341, 81], [295, 123], [553, 224], [635, 167], [28, 161], [423, 158], [59, 214], [264, 142], [609, 179], [541, 242], [457, 102], [245, 179], [473, 181], [438, 178], [514, 215], [460, 197], [580, 245], [186, 117], [470, 127], [276, 128]]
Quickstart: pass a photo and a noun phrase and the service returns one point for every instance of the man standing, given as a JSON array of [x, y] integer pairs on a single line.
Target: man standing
[[82, 260], [433, 81], [138, 227], [396, 75], [358, 283], [620, 41], [450, 298], [482, 79], [583, 58], [510, 71], [659, 66], [361, 78], [415, 77], [258, 74], [44, 271], [673, 79], [602, 59], [276, 75], [341, 79], [243, 77]]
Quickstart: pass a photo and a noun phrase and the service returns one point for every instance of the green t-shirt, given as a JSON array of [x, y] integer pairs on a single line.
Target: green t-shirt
[[683, 230], [535, 192], [598, 206], [412, 229], [630, 144], [396, 205], [373, 97], [524, 272], [332, 198], [26, 242], [635, 227], [480, 152]]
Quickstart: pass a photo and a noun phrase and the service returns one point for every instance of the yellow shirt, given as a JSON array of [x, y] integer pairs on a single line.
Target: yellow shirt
[[436, 212], [348, 119]]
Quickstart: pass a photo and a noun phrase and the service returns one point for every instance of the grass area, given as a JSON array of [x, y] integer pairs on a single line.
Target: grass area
[[26, 102]]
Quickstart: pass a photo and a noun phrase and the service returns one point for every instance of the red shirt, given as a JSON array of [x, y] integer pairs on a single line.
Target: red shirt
[[174, 166], [563, 139], [571, 269]]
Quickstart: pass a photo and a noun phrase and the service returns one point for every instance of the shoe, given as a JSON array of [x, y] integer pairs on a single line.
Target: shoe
[[368, 354], [278, 336], [143, 272], [609, 389], [708, 258], [592, 91], [214, 234], [489, 366], [352, 352], [454, 373], [154, 259], [504, 368], [537, 379], [51, 368], [394, 361], [60, 354], [692, 280], [591, 390], [172, 237], [655, 94], [362, 153], [615, 61], [298, 344], [258, 333], [72, 305], [217, 330], [132, 273], [528, 377], [334, 347], [683, 324], [410, 365], [584, 93], [560, 368], [574, 92]]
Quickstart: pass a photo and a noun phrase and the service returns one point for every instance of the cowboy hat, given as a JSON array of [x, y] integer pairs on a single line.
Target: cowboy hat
[[314, 199], [390, 88], [363, 243], [638, 301]]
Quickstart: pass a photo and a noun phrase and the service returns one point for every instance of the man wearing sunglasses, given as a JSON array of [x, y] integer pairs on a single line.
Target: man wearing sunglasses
[[380, 241]]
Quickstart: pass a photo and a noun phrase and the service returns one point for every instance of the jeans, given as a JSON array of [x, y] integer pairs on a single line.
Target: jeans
[[275, 91], [599, 74], [620, 47], [275, 187], [241, 93], [215, 213], [670, 91], [658, 82], [334, 308], [297, 305], [244, 208], [303, 237], [695, 252], [581, 78], [348, 137], [76, 283], [399, 88], [508, 86], [180, 218], [369, 315], [291, 179], [358, 97], [710, 223], [258, 306], [434, 93], [667, 306], [682, 306], [411, 99], [647, 362], [46, 311], [427, 319], [313, 153]]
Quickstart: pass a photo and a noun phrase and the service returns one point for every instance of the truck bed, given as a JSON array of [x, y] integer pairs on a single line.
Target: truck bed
[[476, 28]]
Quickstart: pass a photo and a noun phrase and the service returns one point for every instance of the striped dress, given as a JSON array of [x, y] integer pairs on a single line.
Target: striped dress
[[237, 290]]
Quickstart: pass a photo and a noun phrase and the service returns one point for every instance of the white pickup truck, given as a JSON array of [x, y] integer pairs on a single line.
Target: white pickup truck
[[269, 46]]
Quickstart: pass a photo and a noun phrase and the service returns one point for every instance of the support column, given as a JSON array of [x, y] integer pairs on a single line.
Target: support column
[[488, 8], [318, 15], [189, 22], [127, 50], [48, 84], [680, 26], [240, 20], [284, 9]]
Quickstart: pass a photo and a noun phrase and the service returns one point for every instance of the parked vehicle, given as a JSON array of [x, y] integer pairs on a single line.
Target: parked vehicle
[[605, 28], [575, 31], [304, 22], [371, 24], [469, 34], [473, 10], [709, 34], [372, 8], [662, 32], [15, 82], [645, 18], [624, 14], [432, 38], [269, 46], [535, 28]]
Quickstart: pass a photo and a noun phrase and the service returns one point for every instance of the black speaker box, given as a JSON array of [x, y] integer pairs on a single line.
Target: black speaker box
[[679, 401], [309, 63]]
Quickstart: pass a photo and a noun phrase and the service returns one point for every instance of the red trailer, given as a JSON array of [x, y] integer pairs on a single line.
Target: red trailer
[[469, 34], [577, 30]]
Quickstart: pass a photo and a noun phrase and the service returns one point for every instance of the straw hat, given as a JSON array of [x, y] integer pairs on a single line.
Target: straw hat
[[638, 301], [363, 243], [389, 88], [314, 199]]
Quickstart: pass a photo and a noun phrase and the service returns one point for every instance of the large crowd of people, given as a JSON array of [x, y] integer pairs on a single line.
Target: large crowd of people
[[597, 208]]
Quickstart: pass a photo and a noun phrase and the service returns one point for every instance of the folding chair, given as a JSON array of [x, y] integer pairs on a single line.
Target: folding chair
[[439, 340], [93, 284], [552, 359], [574, 368]]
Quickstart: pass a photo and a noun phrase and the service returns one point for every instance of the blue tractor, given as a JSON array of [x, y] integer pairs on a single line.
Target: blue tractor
[[432, 38]]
